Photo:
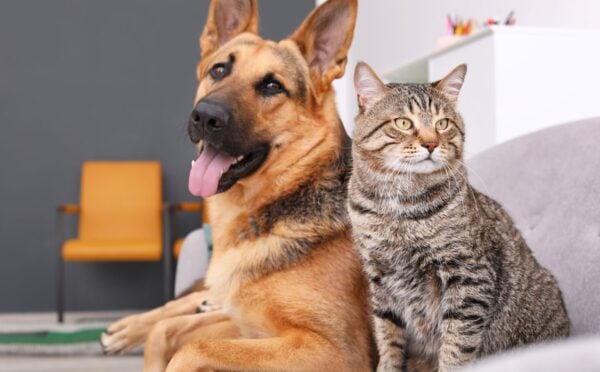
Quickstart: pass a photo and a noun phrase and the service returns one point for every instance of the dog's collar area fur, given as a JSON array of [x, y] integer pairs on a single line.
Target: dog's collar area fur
[[315, 208]]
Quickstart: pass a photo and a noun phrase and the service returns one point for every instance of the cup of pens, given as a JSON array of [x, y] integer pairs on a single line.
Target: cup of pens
[[457, 27]]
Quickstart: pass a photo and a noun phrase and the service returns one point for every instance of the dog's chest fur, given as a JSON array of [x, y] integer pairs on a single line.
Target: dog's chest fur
[[250, 245]]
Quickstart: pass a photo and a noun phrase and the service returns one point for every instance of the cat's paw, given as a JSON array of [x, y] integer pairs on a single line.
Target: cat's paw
[[446, 368], [389, 367]]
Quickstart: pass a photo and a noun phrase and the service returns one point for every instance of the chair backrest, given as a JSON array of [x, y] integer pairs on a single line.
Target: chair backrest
[[121, 200], [549, 181]]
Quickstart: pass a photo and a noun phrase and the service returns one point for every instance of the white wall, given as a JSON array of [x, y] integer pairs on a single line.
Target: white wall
[[390, 33]]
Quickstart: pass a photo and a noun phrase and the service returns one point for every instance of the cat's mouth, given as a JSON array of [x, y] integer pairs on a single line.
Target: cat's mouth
[[434, 157], [426, 166], [423, 164], [427, 159]]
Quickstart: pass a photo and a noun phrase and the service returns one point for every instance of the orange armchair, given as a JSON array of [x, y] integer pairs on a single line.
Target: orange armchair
[[120, 219]]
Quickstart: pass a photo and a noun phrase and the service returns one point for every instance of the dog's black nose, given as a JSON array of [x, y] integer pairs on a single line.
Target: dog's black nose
[[210, 116]]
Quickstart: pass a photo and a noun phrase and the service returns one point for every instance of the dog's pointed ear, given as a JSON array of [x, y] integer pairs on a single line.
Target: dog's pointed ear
[[324, 39], [369, 87], [227, 19], [451, 84]]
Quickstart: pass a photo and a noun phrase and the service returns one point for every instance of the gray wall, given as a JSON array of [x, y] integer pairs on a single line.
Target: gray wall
[[93, 80]]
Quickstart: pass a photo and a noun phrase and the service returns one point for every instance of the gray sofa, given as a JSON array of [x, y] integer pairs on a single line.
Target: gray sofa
[[549, 182]]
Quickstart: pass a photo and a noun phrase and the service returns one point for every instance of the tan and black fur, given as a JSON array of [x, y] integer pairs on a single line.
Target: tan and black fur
[[284, 276], [451, 277]]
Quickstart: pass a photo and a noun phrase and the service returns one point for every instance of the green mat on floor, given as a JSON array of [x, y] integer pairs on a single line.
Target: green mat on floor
[[83, 341]]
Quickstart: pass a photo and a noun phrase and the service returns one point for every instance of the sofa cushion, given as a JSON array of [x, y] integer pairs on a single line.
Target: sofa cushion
[[549, 181], [579, 355]]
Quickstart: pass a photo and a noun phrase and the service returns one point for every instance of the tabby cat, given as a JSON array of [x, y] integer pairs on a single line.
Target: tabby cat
[[451, 277]]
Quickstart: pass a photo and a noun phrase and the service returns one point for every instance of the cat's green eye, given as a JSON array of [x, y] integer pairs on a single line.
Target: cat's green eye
[[442, 124], [403, 124]]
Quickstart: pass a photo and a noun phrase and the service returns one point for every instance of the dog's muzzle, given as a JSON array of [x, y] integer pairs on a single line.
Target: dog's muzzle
[[209, 119]]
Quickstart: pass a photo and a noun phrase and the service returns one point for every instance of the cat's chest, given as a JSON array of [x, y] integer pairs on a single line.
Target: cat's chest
[[406, 282], [413, 290], [405, 272]]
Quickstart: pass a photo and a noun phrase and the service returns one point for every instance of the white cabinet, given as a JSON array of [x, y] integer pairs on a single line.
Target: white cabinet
[[519, 80]]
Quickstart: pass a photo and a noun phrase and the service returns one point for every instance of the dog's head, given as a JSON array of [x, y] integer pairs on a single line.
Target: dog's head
[[260, 101]]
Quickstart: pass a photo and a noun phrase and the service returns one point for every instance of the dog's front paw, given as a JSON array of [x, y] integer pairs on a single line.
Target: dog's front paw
[[207, 307], [123, 336]]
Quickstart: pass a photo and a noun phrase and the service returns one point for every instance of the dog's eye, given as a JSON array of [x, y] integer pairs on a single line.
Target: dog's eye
[[273, 86], [219, 71], [270, 87]]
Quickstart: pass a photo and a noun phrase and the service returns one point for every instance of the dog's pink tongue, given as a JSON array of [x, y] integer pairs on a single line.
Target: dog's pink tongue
[[207, 170]]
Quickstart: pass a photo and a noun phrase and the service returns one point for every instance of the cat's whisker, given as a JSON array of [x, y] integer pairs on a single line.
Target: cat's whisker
[[456, 173], [472, 171], [470, 189], [458, 186]]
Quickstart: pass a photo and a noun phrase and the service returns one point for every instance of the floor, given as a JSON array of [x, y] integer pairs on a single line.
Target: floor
[[71, 364], [24, 322]]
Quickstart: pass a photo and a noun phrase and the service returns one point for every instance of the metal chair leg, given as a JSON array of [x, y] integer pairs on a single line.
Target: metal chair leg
[[60, 285], [60, 294], [167, 255]]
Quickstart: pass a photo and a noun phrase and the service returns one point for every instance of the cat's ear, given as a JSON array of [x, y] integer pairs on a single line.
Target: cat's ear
[[227, 19], [324, 39], [369, 87], [451, 84]]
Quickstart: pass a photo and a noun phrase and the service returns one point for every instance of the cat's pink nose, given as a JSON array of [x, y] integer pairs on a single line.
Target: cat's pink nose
[[430, 146]]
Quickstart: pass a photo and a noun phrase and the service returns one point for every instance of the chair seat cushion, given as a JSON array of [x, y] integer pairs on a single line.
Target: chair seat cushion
[[112, 250]]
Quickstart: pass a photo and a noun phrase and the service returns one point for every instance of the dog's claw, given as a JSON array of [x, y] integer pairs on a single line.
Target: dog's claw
[[206, 307], [104, 347]]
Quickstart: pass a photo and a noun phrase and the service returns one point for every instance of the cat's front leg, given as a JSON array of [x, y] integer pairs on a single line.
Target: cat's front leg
[[390, 334], [461, 341], [465, 317]]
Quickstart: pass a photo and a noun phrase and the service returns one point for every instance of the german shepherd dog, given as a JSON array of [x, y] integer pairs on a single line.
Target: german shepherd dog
[[273, 166]]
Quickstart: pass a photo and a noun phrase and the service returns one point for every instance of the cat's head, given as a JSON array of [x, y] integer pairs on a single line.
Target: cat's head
[[408, 128]]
